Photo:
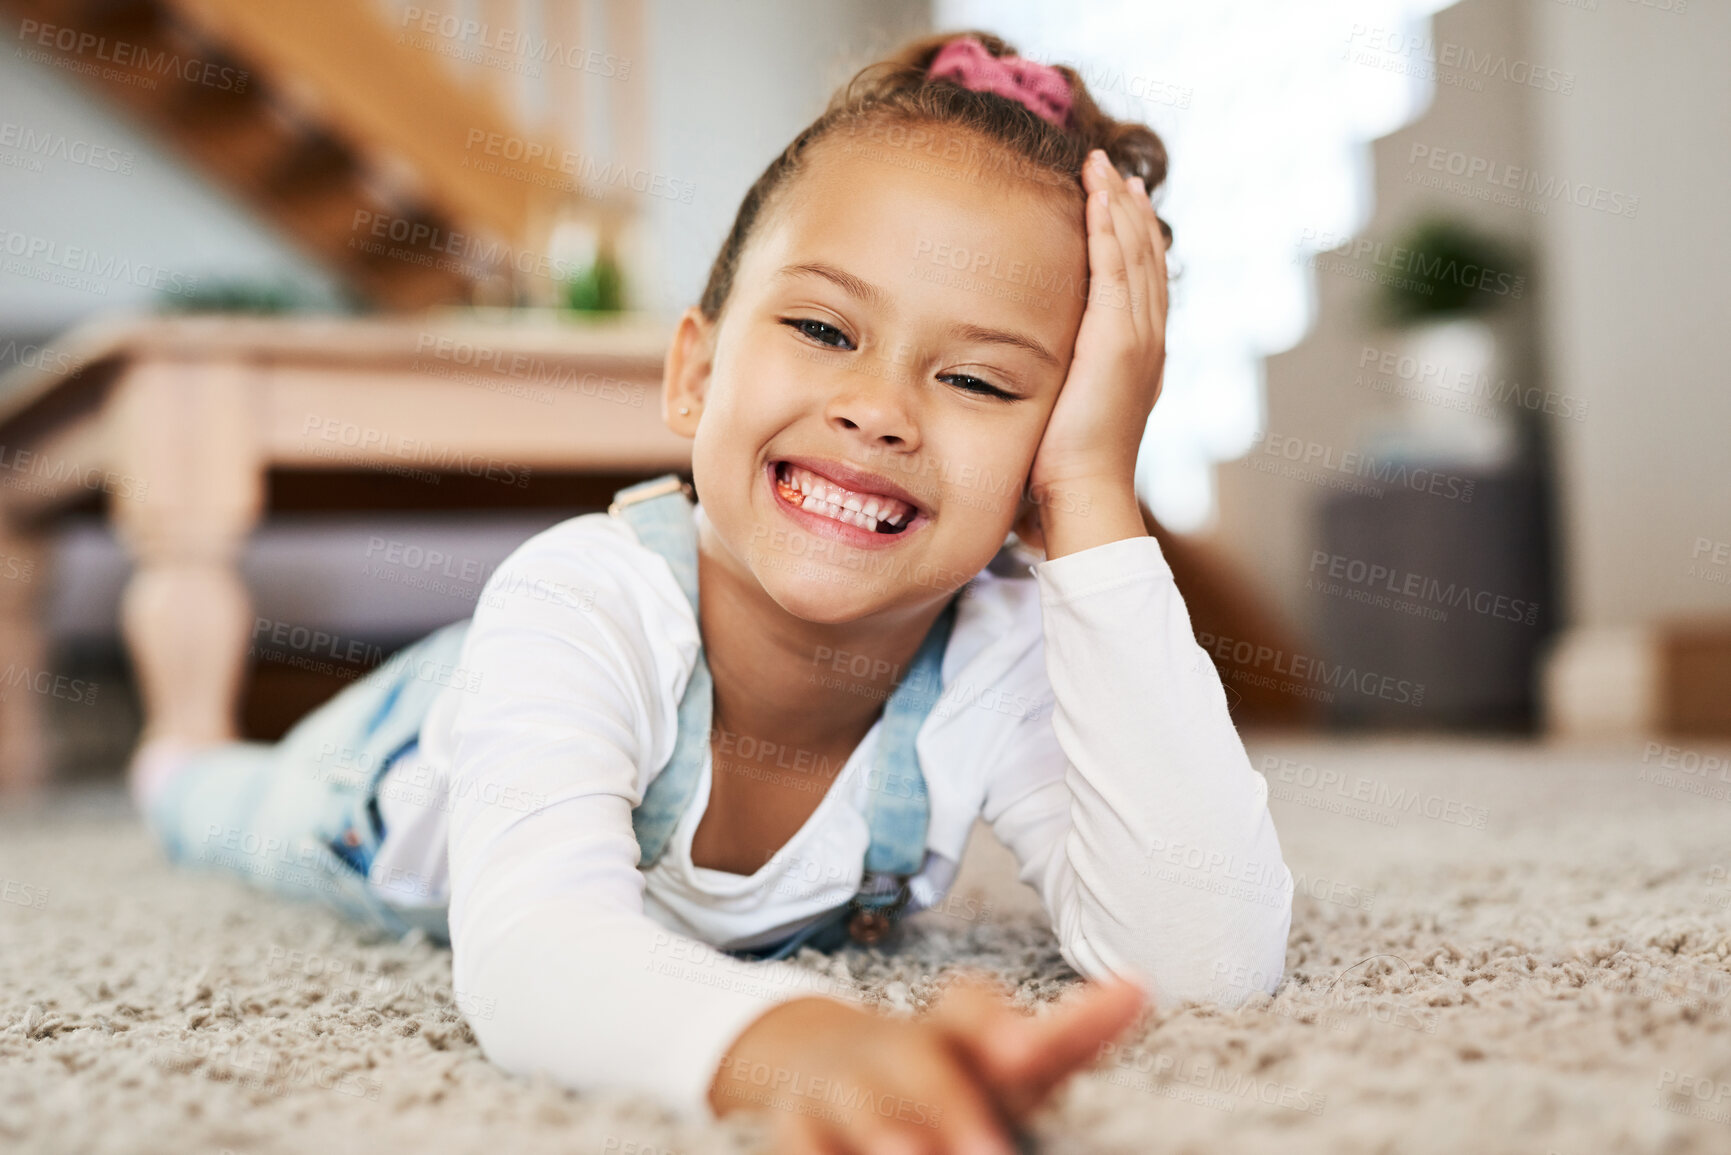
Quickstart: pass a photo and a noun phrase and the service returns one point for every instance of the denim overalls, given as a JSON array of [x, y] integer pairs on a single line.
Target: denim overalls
[[301, 817]]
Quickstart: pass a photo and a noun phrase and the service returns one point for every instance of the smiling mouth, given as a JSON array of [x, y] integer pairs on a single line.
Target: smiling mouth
[[874, 512]]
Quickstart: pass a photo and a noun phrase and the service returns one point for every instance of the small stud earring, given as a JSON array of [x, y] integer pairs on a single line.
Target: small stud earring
[[684, 410]]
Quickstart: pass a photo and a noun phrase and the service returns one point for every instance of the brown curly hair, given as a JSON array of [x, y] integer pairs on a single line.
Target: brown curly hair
[[896, 91]]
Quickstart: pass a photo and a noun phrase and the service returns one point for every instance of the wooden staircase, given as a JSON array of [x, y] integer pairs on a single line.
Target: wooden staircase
[[361, 148]]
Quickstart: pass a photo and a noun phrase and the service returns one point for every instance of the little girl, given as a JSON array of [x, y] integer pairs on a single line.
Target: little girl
[[678, 742]]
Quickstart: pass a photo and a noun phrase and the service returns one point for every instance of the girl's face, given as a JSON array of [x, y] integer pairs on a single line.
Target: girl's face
[[898, 331]]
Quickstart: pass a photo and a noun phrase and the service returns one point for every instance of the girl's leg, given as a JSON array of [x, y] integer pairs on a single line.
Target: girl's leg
[[293, 817]]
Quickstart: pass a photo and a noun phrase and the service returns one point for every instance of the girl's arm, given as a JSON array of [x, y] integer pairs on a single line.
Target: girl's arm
[[555, 963], [1153, 849], [1155, 855], [558, 969]]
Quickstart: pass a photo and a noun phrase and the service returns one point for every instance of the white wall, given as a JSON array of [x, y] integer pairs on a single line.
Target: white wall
[[1639, 311], [151, 211], [733, 82], [1314, 394]]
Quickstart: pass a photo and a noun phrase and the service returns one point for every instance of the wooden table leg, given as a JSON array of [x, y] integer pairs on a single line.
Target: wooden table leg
[[23, 657], [190, 490]]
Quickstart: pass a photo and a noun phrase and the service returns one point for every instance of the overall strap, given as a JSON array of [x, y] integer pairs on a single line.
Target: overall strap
[[898, 813], [659, 511]]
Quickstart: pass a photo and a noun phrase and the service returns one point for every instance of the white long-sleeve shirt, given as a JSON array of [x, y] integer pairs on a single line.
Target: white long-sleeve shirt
[[1079, 718]]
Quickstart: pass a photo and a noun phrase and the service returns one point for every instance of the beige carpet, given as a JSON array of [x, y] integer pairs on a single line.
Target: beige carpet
[[1555, 981]]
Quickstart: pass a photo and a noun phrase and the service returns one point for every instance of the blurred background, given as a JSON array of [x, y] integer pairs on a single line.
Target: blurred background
[[312, 310]]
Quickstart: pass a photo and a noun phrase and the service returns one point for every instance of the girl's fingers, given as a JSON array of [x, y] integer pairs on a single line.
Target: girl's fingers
[[803, 1135], [1131, 224], [1040, 1054], [1157, 244], [1108, 282], [961, 1113], [1023, 1059], [1114, 256]]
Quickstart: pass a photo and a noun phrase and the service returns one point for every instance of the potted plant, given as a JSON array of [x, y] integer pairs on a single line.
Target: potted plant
[[1446, 285]]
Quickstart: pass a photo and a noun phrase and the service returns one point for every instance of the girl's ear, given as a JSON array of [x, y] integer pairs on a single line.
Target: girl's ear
[[685, 373]]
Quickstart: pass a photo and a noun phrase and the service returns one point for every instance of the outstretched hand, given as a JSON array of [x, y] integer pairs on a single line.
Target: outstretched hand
[[1088, 452], [1023, 1059], [957, 1080]]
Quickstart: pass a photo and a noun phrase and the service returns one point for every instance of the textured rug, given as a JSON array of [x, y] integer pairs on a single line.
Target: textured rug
[[1495, 948]]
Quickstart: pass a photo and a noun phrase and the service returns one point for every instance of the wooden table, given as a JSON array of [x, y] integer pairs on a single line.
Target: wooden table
[[174, 425]]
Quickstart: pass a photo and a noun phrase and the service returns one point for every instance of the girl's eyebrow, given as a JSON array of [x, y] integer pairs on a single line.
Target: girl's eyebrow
[[1004, 337], [866, 291]]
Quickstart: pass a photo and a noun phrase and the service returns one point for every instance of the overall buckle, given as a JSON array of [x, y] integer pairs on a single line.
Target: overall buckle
[[870, 925]]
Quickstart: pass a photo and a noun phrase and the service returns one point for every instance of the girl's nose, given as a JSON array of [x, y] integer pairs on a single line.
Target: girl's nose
[[876, 411]]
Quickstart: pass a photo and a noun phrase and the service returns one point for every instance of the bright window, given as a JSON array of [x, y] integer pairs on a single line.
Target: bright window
[[1266, 117]]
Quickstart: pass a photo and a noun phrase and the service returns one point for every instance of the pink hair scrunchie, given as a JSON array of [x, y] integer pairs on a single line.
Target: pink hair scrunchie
[[1039, 88]]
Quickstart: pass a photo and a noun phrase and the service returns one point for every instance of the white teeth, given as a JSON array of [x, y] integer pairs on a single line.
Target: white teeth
[[863, 510]]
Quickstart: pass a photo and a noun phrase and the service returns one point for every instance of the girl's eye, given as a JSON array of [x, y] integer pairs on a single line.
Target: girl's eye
[[820, 332], [975, 385]]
